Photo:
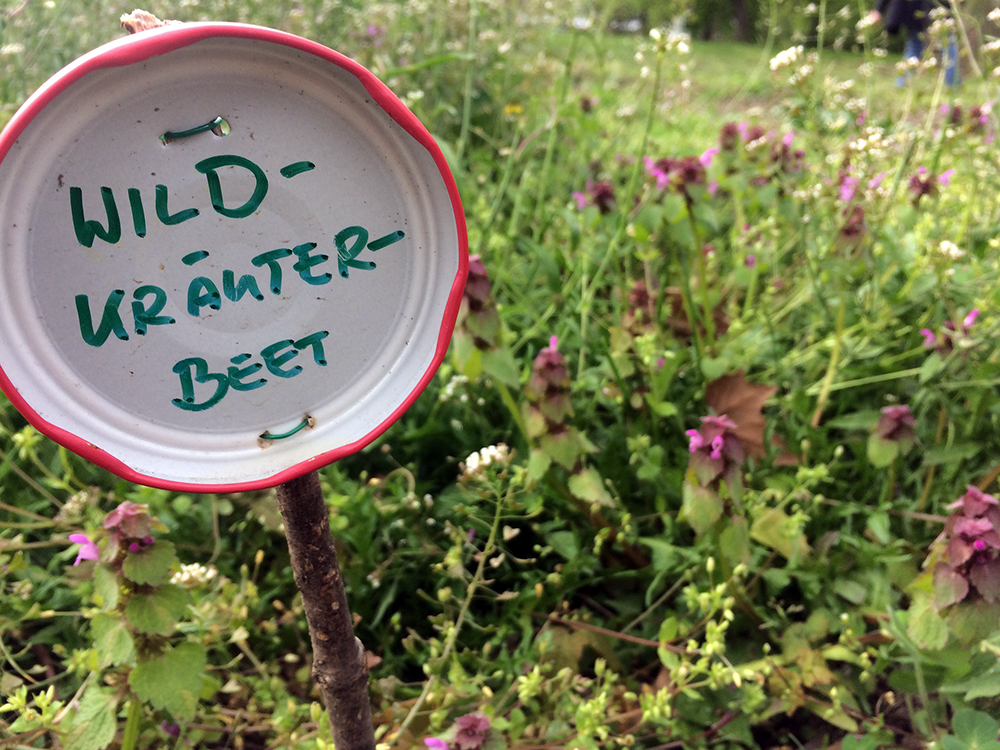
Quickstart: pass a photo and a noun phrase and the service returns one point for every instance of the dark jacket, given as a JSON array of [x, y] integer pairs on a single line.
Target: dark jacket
[[912, 15]]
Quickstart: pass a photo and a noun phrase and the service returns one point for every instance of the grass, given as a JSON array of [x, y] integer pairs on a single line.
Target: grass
[[738, 395]]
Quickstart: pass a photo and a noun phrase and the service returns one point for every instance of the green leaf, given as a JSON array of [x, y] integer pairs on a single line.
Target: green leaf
[[985, 685], [974, 621], [112, 640], [947, 454], [565, 543], [538, 463], [861, 420], [734, 542], [771, 530], [882, 452], [924, 625], [853, 591], [976, 729], [157, 612], [150, 565], [500, 365], [95, 722], [172, 681], [588, 485], [105, 588], [664, 553], [700, 507], [878, 525], [931, 367]]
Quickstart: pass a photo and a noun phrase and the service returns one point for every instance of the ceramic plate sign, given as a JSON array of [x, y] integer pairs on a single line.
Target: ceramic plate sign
[[228, 256]]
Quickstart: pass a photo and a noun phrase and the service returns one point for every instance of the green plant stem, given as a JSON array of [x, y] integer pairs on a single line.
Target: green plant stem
[[588, 291], [550, 145], [831, 369], [699, 254], [463, 612], [689, 308], [515, 411], [470, 71], [131, 733]]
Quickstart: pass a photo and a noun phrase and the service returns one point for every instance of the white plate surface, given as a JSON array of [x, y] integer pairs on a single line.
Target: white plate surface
[[180, 404]]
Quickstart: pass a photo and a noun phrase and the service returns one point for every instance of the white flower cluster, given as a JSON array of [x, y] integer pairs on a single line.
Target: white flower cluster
[[950, 250], [787, 58], [994, 15], [14, 48], [872, 143], [993, 46], [455, 383], [194, 574], [866, 22], [474, 467]]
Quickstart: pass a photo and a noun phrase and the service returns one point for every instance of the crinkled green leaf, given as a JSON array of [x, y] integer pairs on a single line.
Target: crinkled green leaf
[[172, 681], [924, 625], [701, 507], [588, 485], [500, 365], [105, 588], [93, 725], [950, 586], [112, 640], [976, 729], [157, 611], [972, 621], [882, 452], [150, 565], [771, 529]]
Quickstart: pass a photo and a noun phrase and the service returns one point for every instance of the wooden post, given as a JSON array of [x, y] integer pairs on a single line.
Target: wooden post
[[338, 656]]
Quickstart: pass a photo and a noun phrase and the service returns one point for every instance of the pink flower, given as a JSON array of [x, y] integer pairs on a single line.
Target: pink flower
[[472, 729], [751, 260], [707, 156], [896, 424], [848, 188], [945, 177], [435, 744], [695, 441], [88, 550], [129, 520], [930, 338], [970, 318]]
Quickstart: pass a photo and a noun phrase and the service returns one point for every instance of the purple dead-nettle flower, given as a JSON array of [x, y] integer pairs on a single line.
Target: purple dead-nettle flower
[[944, 179], [896, 424], [751, 260], [943, 341], [88, 550], [971, 562], [707, 156], [848, 188], [472, 729], [129, 520], [973, 503], [600, 194], [436, 744], [716, 451]]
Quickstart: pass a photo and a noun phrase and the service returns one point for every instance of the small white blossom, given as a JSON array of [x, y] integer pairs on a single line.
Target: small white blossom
[[474, 467], [950, 250], [787, 58], [994, 15], [194, 574]]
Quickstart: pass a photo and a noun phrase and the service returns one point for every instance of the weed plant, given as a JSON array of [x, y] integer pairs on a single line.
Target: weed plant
[[711, 458]]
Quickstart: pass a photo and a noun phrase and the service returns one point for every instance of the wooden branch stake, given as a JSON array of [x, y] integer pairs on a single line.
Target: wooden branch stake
[[338, 656]]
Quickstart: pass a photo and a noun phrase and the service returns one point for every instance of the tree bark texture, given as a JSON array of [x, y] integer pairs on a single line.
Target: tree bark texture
[[338, 656]]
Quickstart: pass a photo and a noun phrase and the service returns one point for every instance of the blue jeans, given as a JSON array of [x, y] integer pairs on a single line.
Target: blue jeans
[[915, 48]]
